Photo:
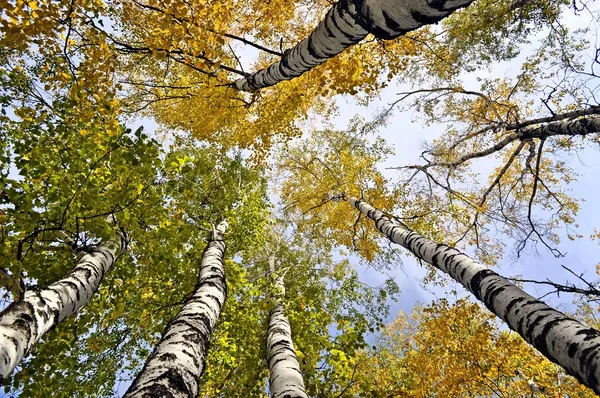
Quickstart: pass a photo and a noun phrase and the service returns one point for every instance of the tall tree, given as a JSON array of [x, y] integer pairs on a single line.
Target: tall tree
[[25, 321], [327, 159], [347, 23], [523, 124], [95, 63], [189, 188], [328, 309], [560, 338], [285, 375], [513, 120], [185, 56], [177, 362]]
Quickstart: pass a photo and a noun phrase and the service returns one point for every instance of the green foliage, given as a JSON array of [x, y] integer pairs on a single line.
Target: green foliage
[[329, 309], [72, 74], [59, 183]]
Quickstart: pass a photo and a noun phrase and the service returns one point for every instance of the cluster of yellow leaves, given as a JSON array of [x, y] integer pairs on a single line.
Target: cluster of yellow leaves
[[65, 60], [219, 114], [20, 19], [457, 350], [176, 65], [334, 162], [487, 31]]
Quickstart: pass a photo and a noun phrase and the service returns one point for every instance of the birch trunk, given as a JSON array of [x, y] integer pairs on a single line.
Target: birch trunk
[[347, 23], [559, 338], [178, 361], [578, 127], [25, 321], [285, 380]]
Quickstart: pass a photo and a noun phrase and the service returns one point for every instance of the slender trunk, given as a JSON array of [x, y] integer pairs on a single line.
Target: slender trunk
[[559, 338], [347, 23], [578, 127], [178, 361], [25, 321], [285, 380]]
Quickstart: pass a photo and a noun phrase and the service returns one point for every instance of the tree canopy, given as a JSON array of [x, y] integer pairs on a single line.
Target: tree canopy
[[159, 120]]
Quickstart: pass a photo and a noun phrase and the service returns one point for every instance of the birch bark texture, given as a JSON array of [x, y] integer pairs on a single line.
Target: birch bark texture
[[177, 362], [578, 127], [285, 379], [345, 24], [558, 337], [24, 322]]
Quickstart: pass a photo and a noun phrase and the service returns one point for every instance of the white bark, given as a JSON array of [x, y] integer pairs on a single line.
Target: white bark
[[174, 368], [578, 127], [347, 23], [285, 380], [559, 338], [24, 322]]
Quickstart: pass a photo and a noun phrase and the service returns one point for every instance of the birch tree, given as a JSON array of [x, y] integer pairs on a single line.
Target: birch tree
[[333, 158], [285, 375], [177, 362], [184, 56], [346, 24], [525, 196], [558, 337], [162, 203], [529, 175], [328, 309], [61, 187], [24, 322], [526, 126]]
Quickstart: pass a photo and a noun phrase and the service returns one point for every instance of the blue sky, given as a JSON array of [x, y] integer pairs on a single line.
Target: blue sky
[[407, 137]]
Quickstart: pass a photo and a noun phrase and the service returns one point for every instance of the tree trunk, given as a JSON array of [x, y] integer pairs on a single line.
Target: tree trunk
[[285, 380], [25, 321], [578, 127], [559, 338], [347, 23], [178, 361]]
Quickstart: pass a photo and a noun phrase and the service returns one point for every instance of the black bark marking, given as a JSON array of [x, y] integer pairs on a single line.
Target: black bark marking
[[572, 350], [540, 341], [424, 19], [539, 316], [536, 314], [167, 357], [73, 286], [338, 11], [157, 391], [476, 281], [493, 290], [512, 303], [176, 382], [437, 4], [586, 363]]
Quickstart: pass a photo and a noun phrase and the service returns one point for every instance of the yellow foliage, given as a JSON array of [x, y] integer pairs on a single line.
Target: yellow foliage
[[333, 162], [458, 350]]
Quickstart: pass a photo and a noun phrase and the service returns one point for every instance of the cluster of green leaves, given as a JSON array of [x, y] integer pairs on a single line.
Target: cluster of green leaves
[[151, 280], [330, 311], [62, 175], [60, 182]]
